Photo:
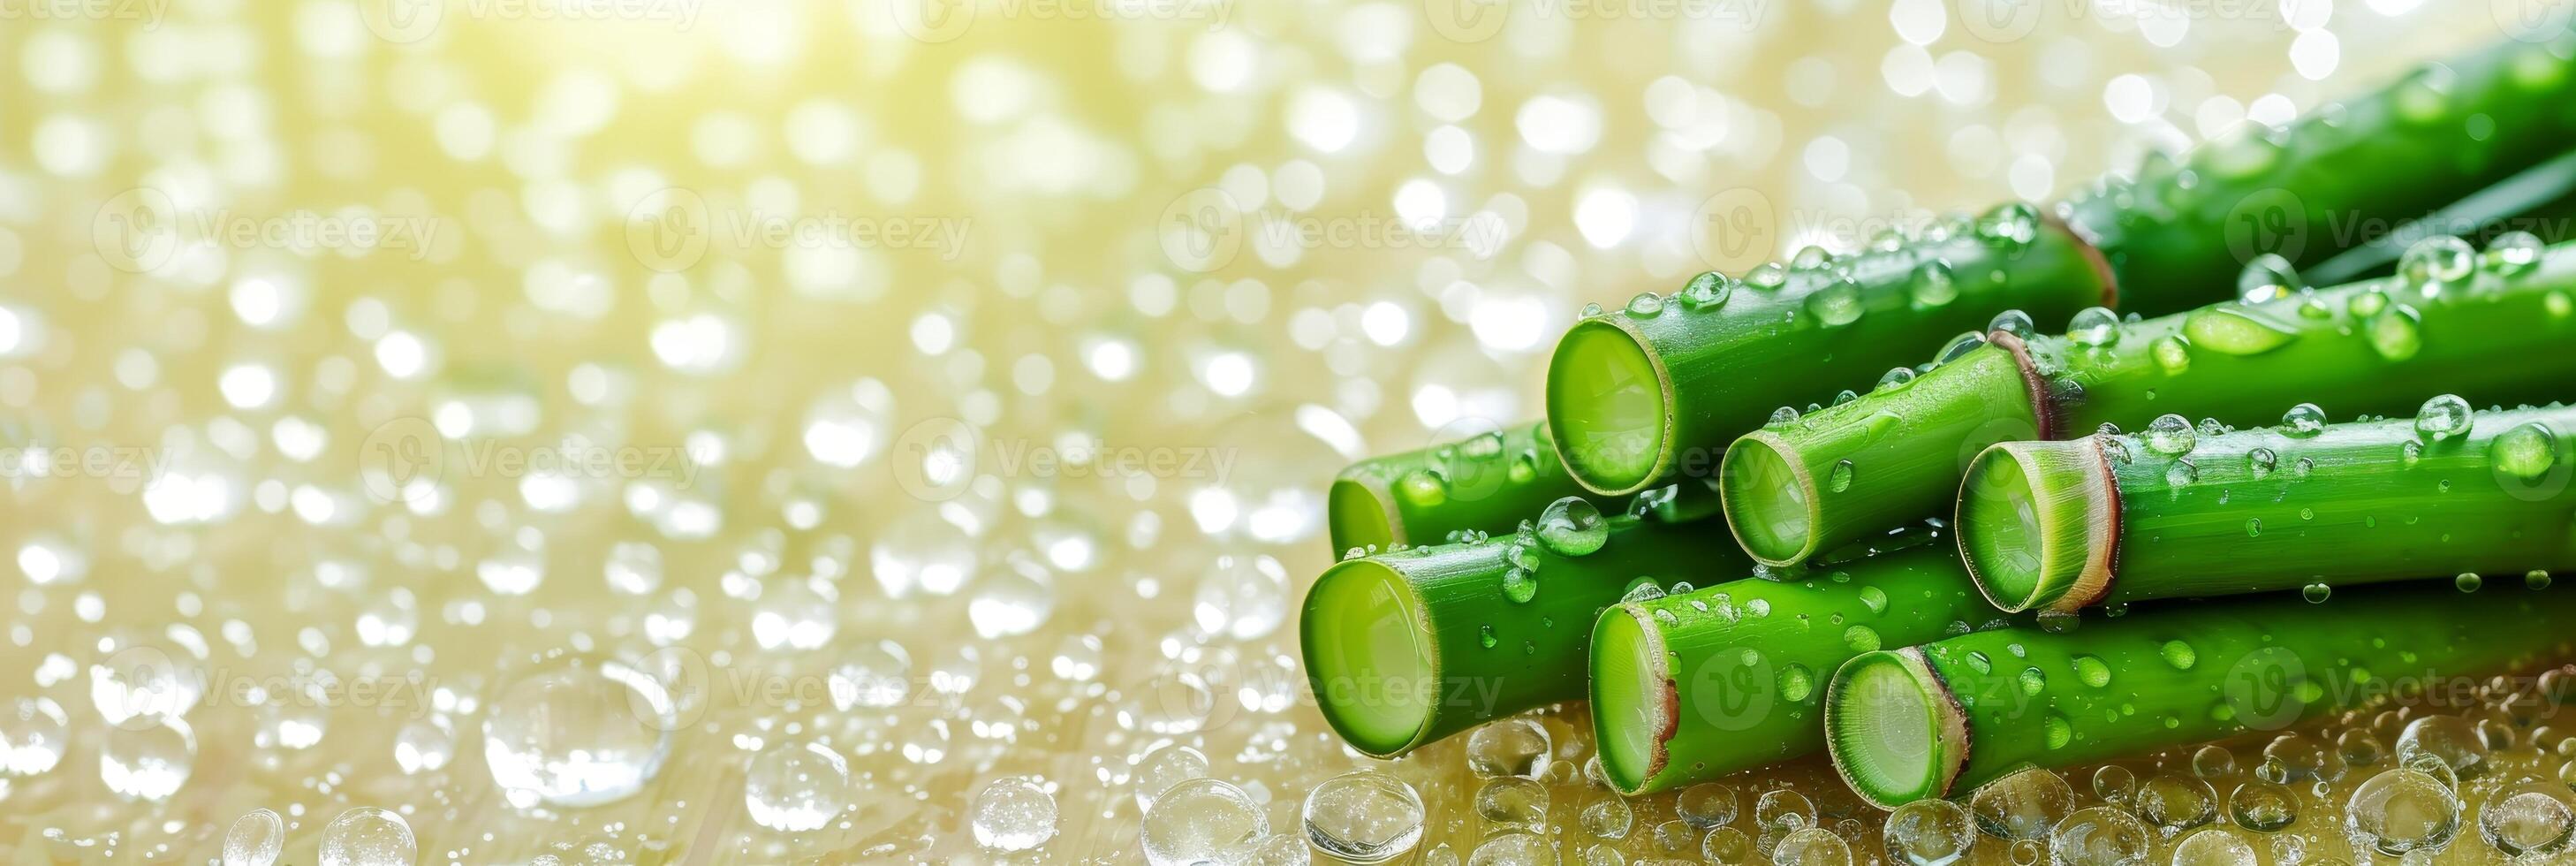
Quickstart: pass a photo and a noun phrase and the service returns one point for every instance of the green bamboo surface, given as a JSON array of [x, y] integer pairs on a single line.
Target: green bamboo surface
[[1482, 655], [2168, 674], [2380, 346], [1485, 483], [1696, 685]]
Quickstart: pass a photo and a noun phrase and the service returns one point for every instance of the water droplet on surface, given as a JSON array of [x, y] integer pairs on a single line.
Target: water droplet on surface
[[2531, 819], [2092, 670], [2172, 353], [1200, 821], [2437, 262], [2010, 226], [794, 787], [2217, 847], [2234, 331], [2094, 327], [2268, 277], [256, 838], [872, 675], [1509, 747], [2401, 811], [1836, 303], [2179, 654], [368, 836], [1366, 816], [1958, 347], [1512, 801], [1931, 284], [1840, 479], [2022, 806], [1572, 526], [2170, 435], [2014, 322], [2468, 581], [1645, 305], [2316, 593], [1706, 291], [2527, 452], [2514, 254], [1728, 846], [1930, 832], [1895, 380], [1813, 846], [33, 736], [2451, 740], [2182, 474], [2175, 802], [2263, 807], [1608, 818], [424, 745], [1520, 585], [147, 760], [2396, 334], [1768, 276], [2100, 836], [1515, 848], [578, 731], [1014, 813], [1165, 766], [2260, 461], [2443, 417]]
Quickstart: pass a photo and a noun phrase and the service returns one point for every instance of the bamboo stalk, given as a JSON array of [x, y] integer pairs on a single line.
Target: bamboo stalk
[[1641, 396], [1942, 718], [1696, 685], [1484, 483], [1407, 647], [2109, 519], [2495, 334]]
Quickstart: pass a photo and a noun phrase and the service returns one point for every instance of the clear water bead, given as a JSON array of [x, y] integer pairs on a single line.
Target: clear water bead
[[2438, 261], [1814, 846], [1364, 816], [1708, 804], [2094, 327], [2024, 805], [578, 731], [2401, 811], [368, 836], [256, 838], [1645, 305], [2514, 253], [1572, 526], [2215, 847], [2303, 420], [871, 675], [1706, 291], [33, 735], [1165, 766], [2170, 435], [2269, 277], [1200, 821], [1931, 832], [148, 761], [2443, 417], [2531, 819], [1509, 747], [1013, 814], [793, 787], [2100, 836]]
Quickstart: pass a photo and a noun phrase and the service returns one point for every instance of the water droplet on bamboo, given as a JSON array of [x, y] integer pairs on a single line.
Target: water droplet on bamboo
[[2172, 353], [2010, 226], [1645, 305], [2179, 654], [1895, 380], [2170, 435], [1706, 291], [2514, 254], [1931, 284], [2260, 461], [1768, 276], [2443, 417], [2527, 452], [1840, 479], [2182, 474], [2234, 331], [2014, 322], [1959, 346], [1572, 526], [2468, 581], [2396, 334], [1520, 585], [2094, 327], [2303, 420], [2316, 593], [2437, 263], [1836, 303], [2269, 277]]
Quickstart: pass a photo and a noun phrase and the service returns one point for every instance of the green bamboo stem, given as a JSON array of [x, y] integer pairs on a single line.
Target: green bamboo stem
[[2496, 335], [1696, 685], [1484, 483], [1405, 648], [1942, 718], [2109, 519], [1638, 397]]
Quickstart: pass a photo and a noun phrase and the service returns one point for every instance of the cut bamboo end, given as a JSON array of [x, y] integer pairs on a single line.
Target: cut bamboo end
[[1370, 657], [1634, 710], [1609, 407], [1359, 511], [1770, 498], [1894, 730], [2038, 522]]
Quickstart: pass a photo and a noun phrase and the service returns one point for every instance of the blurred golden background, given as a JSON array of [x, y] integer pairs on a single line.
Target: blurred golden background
[[765, 431]]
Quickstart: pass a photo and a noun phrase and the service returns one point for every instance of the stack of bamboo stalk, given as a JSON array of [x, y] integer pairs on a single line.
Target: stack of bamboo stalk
[[1930, 576]]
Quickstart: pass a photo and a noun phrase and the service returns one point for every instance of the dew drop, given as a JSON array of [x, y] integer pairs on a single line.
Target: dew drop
[[2269, 277], [1931, 284], [1572, 526], [2527, 452], [2396, 334], [367, 836], [256, 838], [1706, 291], [1645, 305], [2234, 331], [1014, 813], [794, 787], [2094, 327], [2170, 435], [2443, 417], [2431, 264], [2316, 593], [1836, 303], [1368, 816], [1840, 479], [2172, 353]]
